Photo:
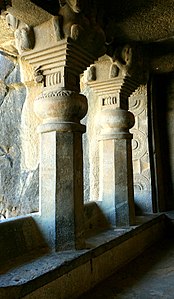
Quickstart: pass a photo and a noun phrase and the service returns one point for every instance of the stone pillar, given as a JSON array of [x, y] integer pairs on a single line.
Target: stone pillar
[[61, 169], [61, 107], [59, 48], [116, 175], [116, 196]]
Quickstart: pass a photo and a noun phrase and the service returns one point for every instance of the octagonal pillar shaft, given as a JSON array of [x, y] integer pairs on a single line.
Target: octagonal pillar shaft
[[116, 196], [61, 168], [116, 175]]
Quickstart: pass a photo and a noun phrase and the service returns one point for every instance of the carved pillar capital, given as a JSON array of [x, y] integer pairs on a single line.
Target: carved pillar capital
[[115, 123], [114, 117], [59, 66], [61, 110]]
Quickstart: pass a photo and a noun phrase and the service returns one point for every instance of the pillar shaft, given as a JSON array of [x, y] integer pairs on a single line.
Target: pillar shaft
[[116, 184], [116, 175], [61, 167], [61, 192]]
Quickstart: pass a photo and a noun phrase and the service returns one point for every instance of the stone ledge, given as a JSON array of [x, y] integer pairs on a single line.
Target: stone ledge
[[71, 273], [19, 237]]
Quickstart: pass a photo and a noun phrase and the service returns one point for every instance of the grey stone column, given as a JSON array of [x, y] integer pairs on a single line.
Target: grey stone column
[[116, 176], [61, 169], [60, 108], [116, 196], [58, 59]]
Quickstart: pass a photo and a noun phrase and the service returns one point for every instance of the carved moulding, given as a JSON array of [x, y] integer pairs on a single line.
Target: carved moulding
[[139, 144], [141, 183], [60, 101], [114, 91], [136, 105], [61, 109], [60, 63], [116, 123]]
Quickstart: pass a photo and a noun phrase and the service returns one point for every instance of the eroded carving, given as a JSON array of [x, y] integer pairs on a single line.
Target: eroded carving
[[74, 23], [129, 61], [91, 74], [141, 183], [38, 73], [24, 34], [58, 93], [136, 105], [114, 70], [111, 100], [70, 22], [121, 61], [139, 144], [53, 79]]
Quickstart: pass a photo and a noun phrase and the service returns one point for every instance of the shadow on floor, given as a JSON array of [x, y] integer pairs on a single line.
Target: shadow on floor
[[149, 276]]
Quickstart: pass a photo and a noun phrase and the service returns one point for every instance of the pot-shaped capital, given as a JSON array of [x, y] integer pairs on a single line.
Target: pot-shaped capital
[[116, 120], [60, 106]]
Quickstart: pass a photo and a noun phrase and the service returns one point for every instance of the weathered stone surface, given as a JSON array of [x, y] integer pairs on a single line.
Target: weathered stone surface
[[29, 124], [28, 12], [7, 66], [91, 147], [6, 37], [28, 191], [18, 186], [140, 151], [3, 91], [14, 76]]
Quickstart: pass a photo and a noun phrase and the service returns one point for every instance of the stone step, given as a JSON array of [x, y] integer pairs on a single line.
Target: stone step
[[71, 273]]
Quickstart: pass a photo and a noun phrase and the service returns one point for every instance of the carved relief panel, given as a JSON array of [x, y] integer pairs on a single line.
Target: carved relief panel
[[140, 151]]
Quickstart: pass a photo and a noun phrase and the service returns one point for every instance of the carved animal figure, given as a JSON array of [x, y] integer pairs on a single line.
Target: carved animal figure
[[24, 34], [73, 21], [70, 21], [121, 62]]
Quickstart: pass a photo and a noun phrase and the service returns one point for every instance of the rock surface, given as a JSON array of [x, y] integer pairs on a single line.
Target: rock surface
[[18, 186]]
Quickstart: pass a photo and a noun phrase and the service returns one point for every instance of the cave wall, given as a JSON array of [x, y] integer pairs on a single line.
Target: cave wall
[[18, 172]]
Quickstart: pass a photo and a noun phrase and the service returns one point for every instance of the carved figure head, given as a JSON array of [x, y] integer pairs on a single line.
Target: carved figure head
[[75, 5]]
